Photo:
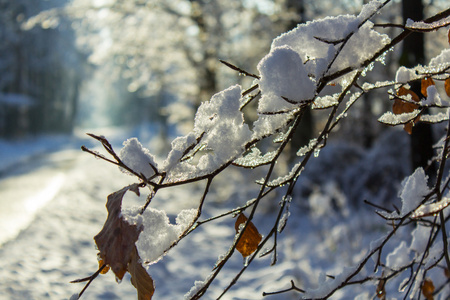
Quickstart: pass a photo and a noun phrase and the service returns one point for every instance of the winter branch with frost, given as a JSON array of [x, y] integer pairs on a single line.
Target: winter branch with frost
[[318, 65]]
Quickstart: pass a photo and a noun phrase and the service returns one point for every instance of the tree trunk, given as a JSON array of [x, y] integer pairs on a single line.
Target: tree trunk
[[304, 131], [413, 53]]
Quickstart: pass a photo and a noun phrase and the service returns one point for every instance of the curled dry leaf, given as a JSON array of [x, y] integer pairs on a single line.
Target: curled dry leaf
[[428, 289], [117, 238], [250, 238], [140, 279], [425, 83]]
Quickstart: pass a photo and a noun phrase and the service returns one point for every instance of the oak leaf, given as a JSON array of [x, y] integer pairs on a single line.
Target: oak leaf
[[250, 239], [117, 238]]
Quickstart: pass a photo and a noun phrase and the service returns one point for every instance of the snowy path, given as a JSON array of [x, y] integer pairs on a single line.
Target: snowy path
[[58, 245], [28, 187]]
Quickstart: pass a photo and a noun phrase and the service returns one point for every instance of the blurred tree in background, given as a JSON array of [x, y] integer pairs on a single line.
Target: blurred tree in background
[[41, 70]]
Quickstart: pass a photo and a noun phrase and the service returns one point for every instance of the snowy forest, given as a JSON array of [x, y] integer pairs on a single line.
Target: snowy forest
[[241, 149]]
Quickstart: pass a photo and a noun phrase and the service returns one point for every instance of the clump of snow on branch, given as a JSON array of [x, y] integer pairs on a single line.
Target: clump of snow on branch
[[318, 42], [283, 75], [223, 124], [414, 190], [157, 234], [405, 75], [138, 158], [390, 118]]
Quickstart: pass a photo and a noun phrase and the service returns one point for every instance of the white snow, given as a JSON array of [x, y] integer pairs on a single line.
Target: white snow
[[318, 41], [399, 257], [433, 98], [283, 75], [414, 25], [158, 233], [220, 124], [390, 118], [442, 60], [138, 158], [405, 75], [415, 188]]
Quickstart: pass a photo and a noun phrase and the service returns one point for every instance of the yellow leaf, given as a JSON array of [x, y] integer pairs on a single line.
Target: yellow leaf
[[428, 289], [426, 82], [140, 279], [105, 269], [250, 238]]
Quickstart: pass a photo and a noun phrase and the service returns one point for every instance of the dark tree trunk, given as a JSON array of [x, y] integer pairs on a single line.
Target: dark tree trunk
[[413, 53], [305, 129]]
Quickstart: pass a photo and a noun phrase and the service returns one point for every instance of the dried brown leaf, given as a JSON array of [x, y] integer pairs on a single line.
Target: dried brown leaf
[[428, 289], [250, 238], [447, 86], [448, 34], [140, 279], [117, 238], [400, 106], [425, 83]]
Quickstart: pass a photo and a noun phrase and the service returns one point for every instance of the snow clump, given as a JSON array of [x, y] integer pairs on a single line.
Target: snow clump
[[137, 158], [158, 233]]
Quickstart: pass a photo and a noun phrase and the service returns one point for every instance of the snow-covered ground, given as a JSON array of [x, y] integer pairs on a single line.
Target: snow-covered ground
[[66, 191]]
